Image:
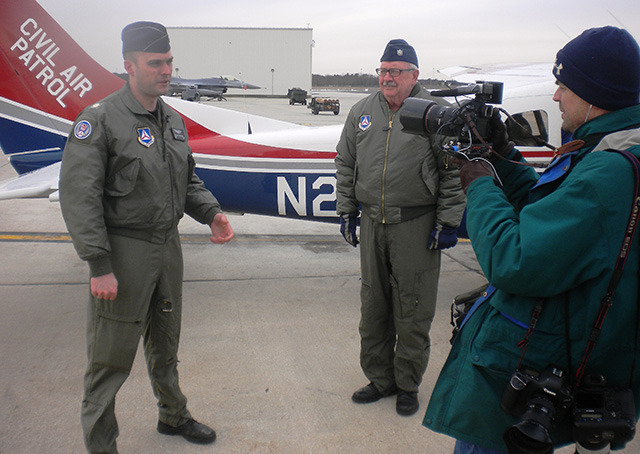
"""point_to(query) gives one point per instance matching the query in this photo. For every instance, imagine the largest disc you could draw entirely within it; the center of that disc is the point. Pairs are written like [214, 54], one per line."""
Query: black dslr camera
[539, 399]
[469, 123]
[602, 415]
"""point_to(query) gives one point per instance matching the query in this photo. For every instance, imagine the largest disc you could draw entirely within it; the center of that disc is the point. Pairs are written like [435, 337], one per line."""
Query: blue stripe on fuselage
[17, 138]
[308, 196]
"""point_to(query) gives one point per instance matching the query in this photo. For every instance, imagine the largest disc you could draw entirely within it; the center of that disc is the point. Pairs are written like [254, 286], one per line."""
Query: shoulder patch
[365, 122]
[82, 130]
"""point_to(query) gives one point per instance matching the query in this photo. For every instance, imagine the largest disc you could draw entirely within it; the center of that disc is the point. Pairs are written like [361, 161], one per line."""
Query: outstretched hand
[221, 230]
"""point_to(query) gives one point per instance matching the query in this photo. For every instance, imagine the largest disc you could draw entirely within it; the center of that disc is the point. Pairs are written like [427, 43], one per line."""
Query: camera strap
[607, 300]
[535, 316]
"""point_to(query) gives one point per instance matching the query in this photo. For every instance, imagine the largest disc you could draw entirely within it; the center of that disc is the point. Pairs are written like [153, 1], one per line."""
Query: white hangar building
[276, 59]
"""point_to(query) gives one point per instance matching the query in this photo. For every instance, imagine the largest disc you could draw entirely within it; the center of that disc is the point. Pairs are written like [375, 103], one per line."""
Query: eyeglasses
[393, 72]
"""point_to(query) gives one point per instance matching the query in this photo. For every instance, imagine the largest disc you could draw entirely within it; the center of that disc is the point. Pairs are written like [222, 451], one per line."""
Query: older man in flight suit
[127, 178]
[411, 205]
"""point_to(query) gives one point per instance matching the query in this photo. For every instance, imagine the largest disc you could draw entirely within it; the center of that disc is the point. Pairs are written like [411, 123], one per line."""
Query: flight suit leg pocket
[116, 341]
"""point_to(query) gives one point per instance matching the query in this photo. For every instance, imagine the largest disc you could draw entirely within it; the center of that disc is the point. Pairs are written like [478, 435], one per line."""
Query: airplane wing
[37, 184]
[512, 74]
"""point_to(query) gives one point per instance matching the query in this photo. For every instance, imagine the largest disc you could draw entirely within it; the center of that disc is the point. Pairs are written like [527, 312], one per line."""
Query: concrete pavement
[269, 353]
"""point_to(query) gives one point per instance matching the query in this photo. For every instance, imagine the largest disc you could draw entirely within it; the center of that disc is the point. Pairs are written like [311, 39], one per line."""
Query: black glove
[499, 136]
[348, 228]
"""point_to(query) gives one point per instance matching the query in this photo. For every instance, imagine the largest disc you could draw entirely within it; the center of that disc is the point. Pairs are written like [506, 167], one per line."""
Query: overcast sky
[350, 35]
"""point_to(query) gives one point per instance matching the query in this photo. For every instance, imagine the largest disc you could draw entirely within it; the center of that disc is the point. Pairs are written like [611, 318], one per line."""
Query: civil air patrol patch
[145, 137]
[365, 122]
[82, 130]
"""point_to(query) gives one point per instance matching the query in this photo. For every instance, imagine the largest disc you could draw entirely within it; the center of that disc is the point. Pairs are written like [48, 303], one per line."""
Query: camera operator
[411, 206]
[551, 242]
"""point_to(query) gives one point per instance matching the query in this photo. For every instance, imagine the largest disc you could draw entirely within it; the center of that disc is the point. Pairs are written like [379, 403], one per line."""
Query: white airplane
[252, 164]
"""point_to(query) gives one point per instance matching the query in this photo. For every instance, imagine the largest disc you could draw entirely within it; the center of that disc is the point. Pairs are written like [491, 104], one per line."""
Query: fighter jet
[208, 87]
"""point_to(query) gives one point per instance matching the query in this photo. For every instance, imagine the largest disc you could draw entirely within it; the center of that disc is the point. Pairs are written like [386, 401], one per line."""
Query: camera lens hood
[413, 114]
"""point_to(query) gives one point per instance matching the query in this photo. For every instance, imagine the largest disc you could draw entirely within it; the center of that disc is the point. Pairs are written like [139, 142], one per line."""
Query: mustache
[389, 83]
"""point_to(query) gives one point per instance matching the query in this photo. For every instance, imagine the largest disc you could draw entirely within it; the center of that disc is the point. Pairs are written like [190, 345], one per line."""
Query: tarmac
[269, 353]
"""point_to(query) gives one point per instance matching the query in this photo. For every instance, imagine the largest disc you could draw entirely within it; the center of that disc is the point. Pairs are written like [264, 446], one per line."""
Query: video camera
[468, 123]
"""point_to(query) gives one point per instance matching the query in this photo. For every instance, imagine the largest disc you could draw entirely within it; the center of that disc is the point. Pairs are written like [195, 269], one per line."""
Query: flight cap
[399, 50]
[145, 37]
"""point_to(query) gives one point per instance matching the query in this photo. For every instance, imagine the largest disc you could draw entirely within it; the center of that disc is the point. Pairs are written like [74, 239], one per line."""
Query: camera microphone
[464, 90]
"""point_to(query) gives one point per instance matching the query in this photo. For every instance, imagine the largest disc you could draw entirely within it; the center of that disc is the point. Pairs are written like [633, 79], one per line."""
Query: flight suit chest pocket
[122, 182]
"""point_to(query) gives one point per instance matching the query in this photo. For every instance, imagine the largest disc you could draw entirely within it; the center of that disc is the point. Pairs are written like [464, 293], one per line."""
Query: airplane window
[530, 125]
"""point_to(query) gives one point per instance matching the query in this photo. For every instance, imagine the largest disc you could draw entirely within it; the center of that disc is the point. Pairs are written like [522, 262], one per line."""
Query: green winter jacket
[555, 237]
[393, 174]
[128, 172]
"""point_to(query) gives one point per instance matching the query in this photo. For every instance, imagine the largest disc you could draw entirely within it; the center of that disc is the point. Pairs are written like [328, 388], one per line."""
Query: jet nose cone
[251, 86]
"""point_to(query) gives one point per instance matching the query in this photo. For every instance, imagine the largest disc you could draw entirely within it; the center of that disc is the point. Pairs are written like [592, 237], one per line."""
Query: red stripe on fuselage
[226, 146]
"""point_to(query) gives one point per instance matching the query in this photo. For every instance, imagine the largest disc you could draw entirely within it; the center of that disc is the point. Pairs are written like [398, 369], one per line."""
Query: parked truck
[318, 104]
[297, 95]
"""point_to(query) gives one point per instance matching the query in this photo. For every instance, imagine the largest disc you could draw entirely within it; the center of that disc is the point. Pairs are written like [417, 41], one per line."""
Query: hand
[443, 237]
[348, 228]
[470, 171]
[221, 229]
[104, 287]
[499, 136]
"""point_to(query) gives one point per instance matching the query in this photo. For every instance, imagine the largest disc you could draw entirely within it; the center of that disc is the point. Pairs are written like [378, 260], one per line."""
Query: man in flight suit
[411, 206]
[127, 178]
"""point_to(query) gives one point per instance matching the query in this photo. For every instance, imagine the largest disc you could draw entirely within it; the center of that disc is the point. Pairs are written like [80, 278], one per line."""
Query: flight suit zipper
[161, 121]
[384, 168]
[163, 125]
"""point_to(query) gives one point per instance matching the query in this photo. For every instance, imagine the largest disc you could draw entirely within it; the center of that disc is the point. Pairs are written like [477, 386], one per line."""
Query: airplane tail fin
[47, 79]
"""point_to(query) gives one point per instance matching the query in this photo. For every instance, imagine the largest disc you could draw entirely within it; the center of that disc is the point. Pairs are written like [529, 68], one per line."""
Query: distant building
[276, 59]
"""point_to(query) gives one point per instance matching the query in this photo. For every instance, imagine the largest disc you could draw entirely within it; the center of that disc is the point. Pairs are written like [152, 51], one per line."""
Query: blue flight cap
[399, 50]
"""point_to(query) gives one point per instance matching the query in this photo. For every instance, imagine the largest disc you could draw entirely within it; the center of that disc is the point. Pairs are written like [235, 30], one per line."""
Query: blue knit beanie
[399, 50]
[601, 66]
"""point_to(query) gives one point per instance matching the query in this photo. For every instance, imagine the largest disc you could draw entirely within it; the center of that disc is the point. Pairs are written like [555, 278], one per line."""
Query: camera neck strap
[607, 300]
[535, 316]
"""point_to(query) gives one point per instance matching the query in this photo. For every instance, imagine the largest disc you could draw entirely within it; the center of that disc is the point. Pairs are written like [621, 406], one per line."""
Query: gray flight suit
[127, 177]
[398, 296]
[404, 188]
